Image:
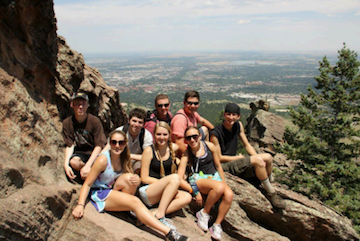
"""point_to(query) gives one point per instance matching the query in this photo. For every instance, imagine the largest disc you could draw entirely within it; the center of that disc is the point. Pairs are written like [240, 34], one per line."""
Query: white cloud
[243, 21]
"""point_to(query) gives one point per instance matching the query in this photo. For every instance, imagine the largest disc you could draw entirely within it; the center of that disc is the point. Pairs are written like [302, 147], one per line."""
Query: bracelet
[81, 204]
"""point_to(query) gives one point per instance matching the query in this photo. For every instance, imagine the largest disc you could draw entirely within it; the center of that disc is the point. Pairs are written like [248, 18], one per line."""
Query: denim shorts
[143, 195]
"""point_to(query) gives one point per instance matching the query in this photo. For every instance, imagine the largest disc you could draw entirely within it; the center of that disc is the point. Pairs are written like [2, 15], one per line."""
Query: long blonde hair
[165, 125]
[125, 154]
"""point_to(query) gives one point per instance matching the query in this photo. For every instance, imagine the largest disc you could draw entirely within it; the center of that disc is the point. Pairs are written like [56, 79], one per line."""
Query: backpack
[141, 135]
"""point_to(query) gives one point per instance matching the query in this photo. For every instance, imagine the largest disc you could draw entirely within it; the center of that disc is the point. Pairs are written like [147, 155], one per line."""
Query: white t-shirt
[134, 144]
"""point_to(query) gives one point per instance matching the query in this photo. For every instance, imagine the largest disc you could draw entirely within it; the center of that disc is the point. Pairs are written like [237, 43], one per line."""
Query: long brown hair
[190, 163]
[165, 125]
[125, 154]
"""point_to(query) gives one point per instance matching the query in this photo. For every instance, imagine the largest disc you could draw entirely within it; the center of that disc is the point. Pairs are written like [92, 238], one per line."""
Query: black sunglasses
[114, 142]
[195, 137]
[192, 103]
[161, 105]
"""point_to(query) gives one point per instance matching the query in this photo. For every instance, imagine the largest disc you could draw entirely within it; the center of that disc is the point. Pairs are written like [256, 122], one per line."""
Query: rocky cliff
[38, 74]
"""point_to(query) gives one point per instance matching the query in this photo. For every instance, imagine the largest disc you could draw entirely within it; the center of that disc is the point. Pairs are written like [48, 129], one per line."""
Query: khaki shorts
[241, 168]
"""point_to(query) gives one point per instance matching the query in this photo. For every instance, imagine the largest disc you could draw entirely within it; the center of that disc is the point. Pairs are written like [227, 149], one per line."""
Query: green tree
[327, 141]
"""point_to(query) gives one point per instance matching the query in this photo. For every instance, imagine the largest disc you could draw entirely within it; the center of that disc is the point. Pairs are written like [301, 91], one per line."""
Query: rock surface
[38, 74]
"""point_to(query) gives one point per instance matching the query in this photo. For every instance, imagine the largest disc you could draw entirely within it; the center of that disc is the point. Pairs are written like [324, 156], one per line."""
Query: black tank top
[155, 166]
[204, 163]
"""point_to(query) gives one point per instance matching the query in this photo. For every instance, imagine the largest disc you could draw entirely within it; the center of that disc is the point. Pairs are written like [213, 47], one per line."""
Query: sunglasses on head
[161, 105]
[192, 103]
[114, 142]
[195, 137]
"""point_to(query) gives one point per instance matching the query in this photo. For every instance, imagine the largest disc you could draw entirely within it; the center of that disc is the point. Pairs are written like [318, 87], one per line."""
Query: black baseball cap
[232, 108]
[80, 95]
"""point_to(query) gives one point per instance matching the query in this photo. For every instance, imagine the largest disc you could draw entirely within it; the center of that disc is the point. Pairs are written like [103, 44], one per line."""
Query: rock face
[38, 74]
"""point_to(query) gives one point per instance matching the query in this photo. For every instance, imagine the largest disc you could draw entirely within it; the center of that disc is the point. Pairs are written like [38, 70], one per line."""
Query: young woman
[207, 178]
[158, 166]
[111, 185]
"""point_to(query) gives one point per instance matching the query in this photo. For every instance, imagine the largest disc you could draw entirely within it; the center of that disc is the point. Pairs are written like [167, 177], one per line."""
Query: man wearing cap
[225, 137]
[84, 137]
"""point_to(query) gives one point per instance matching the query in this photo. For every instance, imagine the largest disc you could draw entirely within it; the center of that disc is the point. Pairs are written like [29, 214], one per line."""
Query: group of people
[167, 160]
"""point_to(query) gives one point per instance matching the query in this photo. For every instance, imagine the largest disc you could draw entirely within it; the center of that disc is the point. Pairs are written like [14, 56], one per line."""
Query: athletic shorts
[83, 156]
[143, 195]
[98, 197]
[197, 176]
[241, 168]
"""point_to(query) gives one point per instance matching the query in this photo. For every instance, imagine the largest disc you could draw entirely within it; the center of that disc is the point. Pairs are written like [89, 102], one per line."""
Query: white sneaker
[216, 231]
[203, 220]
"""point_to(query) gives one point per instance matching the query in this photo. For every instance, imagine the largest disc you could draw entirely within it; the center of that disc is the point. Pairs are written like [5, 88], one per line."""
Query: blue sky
[108, 26]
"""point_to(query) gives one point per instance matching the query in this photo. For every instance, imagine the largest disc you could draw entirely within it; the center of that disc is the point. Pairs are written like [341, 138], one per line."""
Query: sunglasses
[192, 103]
[121, 143]
[195, 137]
[161, 105]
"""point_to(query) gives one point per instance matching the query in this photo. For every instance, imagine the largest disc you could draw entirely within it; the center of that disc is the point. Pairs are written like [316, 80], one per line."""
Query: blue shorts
[143, 195]
[98, 197]
[197, 176]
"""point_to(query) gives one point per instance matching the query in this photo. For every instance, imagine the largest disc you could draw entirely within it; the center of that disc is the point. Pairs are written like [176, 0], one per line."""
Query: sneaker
[203, 220]
[216, 231]
[167, 222]
[276, 200]
[173, 235]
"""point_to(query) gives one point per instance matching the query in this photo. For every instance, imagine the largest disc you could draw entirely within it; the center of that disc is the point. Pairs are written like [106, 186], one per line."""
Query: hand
[84, 171]
[199, 199]
[135, 180]
[78, 212]
[69, 172]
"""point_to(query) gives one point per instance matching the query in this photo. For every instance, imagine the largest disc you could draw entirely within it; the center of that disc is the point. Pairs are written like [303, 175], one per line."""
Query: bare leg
[181, 199]
[214, 190]
[163, 191]
[225, 204]
[76, 163]
[119, 201]
[123, 184]
[260, 167]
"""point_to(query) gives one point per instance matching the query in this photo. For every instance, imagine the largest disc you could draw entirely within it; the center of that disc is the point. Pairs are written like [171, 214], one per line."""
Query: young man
[225, 137]
[161, 113]
[138, 137]
[83, 136]
[189, 117]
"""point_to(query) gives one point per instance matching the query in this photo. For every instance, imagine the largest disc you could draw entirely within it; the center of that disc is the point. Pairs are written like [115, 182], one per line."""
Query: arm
[99, 166]
[205, 122]
[223, 158]
[181, 171]
[216, 158]
[145, 166]
[84, 172]
[180, 142]
[69, 150]
[249, 149]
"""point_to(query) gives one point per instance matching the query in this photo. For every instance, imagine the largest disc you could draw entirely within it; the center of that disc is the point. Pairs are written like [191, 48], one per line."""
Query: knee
[136, 202]
[219, 188]
[258, 162]
[76, 163]
[174, 179]
[268, 158]
[228, 195]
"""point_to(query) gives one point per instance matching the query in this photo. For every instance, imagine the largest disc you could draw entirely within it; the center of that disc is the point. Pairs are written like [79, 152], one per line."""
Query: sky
[123, 26]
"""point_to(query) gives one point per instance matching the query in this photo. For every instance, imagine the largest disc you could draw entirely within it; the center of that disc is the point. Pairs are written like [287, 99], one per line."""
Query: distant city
[238, 77]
